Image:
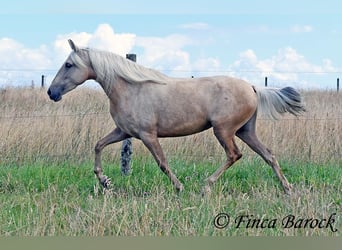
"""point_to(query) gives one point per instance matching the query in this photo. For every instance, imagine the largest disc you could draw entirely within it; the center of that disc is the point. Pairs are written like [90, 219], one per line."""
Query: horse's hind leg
[247, 134]
[151, 142]
[233, 154]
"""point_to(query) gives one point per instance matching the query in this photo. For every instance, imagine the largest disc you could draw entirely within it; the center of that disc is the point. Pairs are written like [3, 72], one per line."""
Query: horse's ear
[72, 45]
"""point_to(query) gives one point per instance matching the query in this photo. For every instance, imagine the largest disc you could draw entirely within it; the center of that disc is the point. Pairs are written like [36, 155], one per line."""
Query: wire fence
[276, 78]
[334, 155]
[53, 116]
[105, 113]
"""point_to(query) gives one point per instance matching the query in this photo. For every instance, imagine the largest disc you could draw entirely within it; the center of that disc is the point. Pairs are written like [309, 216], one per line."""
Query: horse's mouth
[56, 99]
[55, 96]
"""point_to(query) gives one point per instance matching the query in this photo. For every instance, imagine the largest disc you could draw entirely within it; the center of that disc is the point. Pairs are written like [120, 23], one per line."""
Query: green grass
[44, 198]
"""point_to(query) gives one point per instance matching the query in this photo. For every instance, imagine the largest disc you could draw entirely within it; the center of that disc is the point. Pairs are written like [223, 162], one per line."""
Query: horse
[147, 105]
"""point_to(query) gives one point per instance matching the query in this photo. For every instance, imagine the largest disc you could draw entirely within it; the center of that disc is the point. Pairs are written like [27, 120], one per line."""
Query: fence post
[338, 84]
[43, 82]
[127, 150]
[266, 81]
[132, 57]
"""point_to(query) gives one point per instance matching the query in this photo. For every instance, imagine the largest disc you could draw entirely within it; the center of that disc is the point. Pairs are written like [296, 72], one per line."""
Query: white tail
[273, 101]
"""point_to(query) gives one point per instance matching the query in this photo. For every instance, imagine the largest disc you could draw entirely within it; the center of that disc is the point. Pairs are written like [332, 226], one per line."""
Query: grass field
[47, 185]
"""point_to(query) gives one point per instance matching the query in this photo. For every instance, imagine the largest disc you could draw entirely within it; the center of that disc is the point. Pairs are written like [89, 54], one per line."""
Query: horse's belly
[183, 128]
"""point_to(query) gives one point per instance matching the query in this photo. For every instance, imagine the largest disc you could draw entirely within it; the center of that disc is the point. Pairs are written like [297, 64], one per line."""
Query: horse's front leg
[115, 136]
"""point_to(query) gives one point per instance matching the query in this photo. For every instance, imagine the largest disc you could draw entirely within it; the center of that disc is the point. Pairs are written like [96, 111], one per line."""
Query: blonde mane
[108, 66]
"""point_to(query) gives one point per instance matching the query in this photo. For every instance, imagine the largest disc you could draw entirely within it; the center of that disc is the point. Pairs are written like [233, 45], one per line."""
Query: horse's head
[75, 71]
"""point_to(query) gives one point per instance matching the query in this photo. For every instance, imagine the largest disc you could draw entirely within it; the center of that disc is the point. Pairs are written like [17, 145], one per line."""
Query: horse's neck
[117, 90]
[104, 86]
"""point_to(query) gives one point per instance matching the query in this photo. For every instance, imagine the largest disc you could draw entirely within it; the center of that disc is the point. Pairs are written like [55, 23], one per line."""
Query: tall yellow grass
[33, 127]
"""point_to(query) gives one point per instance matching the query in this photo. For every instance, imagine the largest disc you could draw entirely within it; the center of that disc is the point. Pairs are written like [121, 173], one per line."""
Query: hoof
[179, 188]
[287, 189]
[105, 182]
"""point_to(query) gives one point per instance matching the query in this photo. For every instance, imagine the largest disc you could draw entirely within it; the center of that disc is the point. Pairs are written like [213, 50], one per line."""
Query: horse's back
[230, 100]
[212, 100]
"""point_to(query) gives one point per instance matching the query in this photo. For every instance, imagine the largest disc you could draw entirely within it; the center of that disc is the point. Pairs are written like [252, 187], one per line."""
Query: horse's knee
[235, 154]
[238, 156]
[232, 158]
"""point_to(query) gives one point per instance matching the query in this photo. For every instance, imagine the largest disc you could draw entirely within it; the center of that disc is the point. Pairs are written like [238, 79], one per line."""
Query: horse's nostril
[49, 92]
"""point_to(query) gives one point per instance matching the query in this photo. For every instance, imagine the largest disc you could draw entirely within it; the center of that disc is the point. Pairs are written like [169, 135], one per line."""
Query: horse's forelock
[77, 60]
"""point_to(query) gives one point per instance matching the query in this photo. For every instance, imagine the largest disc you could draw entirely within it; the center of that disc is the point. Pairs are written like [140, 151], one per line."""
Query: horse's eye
[68, 65]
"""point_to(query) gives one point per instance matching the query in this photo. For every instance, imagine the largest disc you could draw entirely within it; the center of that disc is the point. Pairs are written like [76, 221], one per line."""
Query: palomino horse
[146, 104]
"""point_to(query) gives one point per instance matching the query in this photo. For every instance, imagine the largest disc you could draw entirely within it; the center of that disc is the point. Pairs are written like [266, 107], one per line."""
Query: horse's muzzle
[54, 94]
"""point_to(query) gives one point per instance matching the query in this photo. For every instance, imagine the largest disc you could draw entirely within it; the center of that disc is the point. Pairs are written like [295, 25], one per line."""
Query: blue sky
[295, 43]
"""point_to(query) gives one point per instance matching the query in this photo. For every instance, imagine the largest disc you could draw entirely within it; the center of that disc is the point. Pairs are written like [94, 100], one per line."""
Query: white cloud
[301, 28]
[287, 66]
[62, 47]
[14, 55]
[103, 38]
[21, 65]
[165, 53]
[169, 54]
[32, 62]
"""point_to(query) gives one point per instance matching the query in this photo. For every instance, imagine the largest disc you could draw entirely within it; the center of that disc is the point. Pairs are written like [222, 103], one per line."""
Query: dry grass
[34, 127]
[47, 186]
